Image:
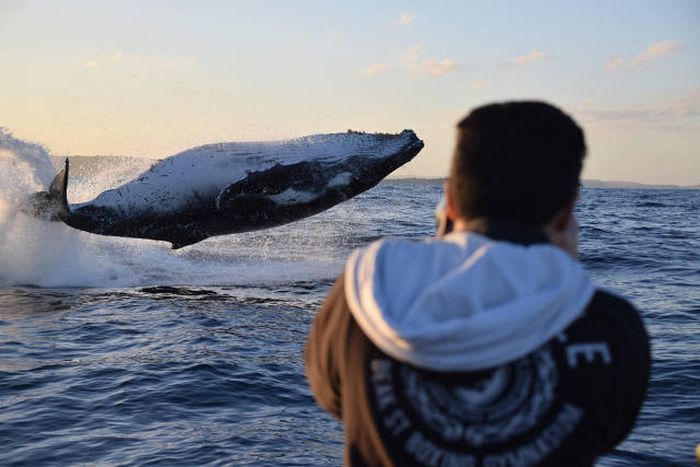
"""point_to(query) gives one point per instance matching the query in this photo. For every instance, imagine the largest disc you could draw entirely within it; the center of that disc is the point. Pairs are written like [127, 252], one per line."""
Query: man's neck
[503, 230]
[509, 231]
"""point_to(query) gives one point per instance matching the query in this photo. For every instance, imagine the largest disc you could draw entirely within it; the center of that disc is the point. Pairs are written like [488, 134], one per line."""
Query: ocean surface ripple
[121, 352]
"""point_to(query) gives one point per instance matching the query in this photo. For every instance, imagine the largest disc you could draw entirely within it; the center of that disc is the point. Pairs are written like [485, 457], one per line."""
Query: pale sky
[152, 78]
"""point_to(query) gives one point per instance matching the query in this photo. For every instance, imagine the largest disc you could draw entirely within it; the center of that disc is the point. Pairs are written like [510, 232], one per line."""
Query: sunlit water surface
[116, 351]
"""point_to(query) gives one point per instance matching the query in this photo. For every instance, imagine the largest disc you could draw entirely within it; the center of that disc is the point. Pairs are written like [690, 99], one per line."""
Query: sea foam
[35, 252]
[51, 254]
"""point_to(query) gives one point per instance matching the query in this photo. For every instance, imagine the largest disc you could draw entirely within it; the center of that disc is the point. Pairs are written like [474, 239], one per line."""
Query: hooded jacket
[490, 347]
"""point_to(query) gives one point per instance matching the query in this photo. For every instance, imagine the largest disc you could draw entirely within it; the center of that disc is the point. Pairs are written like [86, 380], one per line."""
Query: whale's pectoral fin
[59, 186]
[51, 205]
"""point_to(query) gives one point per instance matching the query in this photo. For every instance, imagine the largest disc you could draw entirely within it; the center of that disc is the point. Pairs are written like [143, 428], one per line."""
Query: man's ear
[565, 215]
[450, 208]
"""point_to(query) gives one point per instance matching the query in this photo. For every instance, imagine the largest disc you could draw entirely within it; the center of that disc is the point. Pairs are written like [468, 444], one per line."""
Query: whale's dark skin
[267, 190]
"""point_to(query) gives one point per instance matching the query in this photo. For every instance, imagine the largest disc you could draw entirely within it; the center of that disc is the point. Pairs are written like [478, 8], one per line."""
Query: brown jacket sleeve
[321, 352]
[336, 357]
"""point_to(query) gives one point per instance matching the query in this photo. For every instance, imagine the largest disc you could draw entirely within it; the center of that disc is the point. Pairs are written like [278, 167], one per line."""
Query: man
[488, 346]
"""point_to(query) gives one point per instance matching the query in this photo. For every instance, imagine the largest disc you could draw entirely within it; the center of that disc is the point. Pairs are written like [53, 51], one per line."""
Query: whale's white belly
[203, 172]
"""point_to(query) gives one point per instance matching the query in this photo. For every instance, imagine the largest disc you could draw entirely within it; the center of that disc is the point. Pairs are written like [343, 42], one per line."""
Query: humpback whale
[225, 188]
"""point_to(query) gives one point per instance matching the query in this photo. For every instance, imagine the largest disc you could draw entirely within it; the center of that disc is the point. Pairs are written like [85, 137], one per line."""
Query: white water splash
[51, 254]
[34, 252]
[30, 157]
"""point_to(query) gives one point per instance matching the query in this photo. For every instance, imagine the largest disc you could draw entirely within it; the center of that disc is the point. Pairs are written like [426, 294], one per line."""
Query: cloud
[652, 53]
[405, 19]
[675, 112]
[686, 106]
[376, 69]
[410, 61]
[440, 67]
[161, 61]
[104, 61]
[534, 56]
[614, 63]
[112, 60]
[410, 56]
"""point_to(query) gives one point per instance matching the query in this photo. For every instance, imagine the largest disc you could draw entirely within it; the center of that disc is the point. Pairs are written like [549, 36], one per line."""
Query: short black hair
[517, 161]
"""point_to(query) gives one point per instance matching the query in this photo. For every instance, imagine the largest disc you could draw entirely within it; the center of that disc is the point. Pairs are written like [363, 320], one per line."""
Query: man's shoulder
[605, 299]
[611, 318]
[617, 310]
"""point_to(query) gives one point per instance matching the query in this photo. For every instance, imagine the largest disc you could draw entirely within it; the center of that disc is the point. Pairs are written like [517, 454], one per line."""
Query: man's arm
[635, 368]
[618, 391]
[321, 354]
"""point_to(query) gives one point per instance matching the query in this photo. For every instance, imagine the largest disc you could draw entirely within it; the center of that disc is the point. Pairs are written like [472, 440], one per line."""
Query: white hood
[465, 302]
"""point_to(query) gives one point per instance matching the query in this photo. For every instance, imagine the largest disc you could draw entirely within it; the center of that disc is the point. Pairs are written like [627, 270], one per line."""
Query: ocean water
[123, 352]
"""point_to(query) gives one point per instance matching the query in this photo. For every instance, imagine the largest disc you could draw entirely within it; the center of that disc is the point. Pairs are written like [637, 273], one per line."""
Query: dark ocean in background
[121, 352]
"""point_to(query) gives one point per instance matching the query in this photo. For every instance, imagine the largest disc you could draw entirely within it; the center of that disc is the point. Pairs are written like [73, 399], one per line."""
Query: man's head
[517, 161]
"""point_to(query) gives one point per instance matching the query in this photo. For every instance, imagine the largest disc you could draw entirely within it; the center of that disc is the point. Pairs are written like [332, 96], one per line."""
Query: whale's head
[370, 148]
[370, 157]
[393, 151]
[336, 167]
